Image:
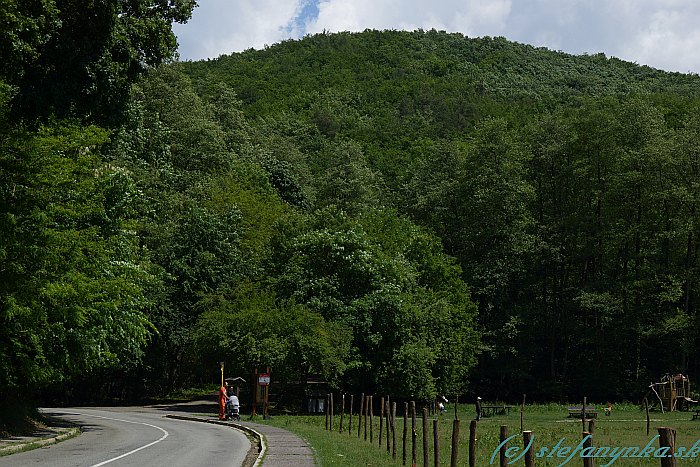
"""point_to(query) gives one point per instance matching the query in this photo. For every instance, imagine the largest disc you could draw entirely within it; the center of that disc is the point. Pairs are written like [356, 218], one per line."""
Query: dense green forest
[565, 187]
[408, 213]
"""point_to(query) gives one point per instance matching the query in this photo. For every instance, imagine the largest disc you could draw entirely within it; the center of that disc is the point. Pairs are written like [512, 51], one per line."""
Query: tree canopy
[71, 59]
[401, 212]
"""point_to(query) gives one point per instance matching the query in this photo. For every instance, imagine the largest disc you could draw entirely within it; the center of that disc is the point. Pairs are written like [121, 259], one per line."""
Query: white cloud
[659, 33]
[669, 39]
[471, 17]
[224, 26]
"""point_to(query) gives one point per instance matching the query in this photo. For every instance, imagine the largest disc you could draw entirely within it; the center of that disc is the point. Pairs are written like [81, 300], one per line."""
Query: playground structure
[670, 394]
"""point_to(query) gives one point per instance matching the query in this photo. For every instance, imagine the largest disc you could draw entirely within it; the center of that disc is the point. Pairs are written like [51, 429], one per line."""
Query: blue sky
[659, 33]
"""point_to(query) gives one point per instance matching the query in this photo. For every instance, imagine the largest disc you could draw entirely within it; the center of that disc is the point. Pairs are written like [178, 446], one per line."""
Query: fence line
[387, 429]
[387, 426]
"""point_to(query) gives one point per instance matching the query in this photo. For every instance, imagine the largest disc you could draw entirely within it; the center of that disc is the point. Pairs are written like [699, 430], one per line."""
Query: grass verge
[625, 430]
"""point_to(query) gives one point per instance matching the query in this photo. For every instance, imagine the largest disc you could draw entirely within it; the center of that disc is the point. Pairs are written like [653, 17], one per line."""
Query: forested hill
[565, 186]
[403, 213]
[394, 66]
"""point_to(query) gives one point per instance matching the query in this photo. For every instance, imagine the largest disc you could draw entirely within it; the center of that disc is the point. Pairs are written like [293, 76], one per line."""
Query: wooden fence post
[388, 425]
[381, 420]
[352, 400]
[436, 443]
[371, 419]
[327, 397]
[359, 415]
[393, 430]
[646, 409]
[522, 410]
[425, 437]
[529, 454]
[414, 453]
[455, 443]
[583, 414]
[472, 443]
[591, 425]
[504, 446]
[364, 415]
[667, 439]
[330, 407]
[405, 432]
[342, 412]
[587, 443]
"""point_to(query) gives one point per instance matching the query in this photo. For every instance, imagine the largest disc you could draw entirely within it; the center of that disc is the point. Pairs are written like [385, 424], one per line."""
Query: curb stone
[67, 433]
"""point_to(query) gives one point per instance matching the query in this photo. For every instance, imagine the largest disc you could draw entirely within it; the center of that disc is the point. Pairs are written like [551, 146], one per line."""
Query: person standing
[442, 404]
[478, 408]
[223, 397]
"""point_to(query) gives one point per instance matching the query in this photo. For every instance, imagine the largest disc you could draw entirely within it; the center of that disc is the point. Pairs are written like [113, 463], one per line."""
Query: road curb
[39, 443]
[262, 445]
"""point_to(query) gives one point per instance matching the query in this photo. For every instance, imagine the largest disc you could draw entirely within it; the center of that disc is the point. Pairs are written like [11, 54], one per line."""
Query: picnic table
[575, 411]
[497, 409]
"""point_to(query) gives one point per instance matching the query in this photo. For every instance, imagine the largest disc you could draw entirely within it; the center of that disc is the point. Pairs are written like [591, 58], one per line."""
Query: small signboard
[264, 379]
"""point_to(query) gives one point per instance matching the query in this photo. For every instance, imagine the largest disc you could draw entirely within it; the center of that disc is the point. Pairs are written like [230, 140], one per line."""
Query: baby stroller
[233, 409]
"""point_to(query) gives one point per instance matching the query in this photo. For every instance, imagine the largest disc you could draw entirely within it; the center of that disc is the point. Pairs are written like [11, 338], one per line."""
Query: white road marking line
[165, 435]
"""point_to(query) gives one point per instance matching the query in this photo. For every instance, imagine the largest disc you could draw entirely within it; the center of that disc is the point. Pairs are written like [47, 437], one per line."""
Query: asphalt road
[136, 436]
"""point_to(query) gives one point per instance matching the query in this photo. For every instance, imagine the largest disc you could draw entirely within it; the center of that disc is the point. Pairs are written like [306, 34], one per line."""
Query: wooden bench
[491, 410]
[575, 412]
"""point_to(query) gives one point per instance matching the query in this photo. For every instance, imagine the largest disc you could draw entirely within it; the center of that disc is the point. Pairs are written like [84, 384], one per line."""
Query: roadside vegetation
[17, 420]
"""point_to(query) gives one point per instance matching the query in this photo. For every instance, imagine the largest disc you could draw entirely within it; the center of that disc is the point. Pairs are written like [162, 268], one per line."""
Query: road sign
[264, 379]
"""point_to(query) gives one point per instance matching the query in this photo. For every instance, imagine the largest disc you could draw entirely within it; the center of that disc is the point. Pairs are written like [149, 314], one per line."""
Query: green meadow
[553, 433]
